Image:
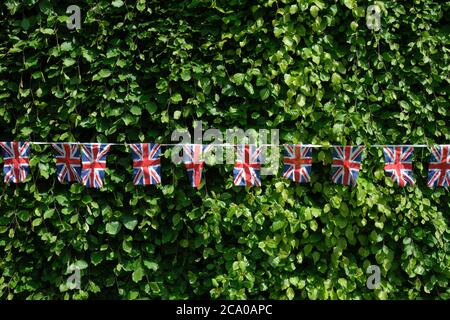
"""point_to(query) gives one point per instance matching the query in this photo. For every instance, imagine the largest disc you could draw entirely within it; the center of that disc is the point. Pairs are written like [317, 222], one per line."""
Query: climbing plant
[137, 70]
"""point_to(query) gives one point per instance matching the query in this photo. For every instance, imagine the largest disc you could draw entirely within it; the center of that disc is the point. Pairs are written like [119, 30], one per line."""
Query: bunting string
[238, 144]
[87, 164]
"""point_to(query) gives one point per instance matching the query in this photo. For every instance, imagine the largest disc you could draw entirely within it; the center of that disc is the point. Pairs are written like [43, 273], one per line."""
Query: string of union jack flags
[86, 163]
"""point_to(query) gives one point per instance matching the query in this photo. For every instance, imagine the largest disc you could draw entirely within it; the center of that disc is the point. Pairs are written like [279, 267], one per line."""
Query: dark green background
[138, 70]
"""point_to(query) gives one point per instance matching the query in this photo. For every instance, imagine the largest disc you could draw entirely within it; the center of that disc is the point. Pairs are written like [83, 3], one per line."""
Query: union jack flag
[146, 163]
[439, 167]
[247, 166]
[93, 164]
[297, 163]
[68, 162]
[346, 164]
[194, 162]
[16, 161]
[398, 164]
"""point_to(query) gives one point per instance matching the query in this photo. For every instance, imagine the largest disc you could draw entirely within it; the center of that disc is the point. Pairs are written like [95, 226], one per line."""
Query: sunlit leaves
[136, 71]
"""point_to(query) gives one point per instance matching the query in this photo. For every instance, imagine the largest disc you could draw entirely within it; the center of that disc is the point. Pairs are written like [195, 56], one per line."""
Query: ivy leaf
[96, 258]
[138, 274]
[186, 75]
[141, 5]
[176, 98]
[249, 87]
[136, 110]
[350, 3]
[335, 79]
[129, 222]
[66, 46]
[151, 107]
[113, 228]
[87, 55]
[103, 73]
[69, 62]
[290, 293]
[264, 93]
[80, 264]
[177, 114]
[25, 23]
[238, 78]
[151, 265]
[117, 3]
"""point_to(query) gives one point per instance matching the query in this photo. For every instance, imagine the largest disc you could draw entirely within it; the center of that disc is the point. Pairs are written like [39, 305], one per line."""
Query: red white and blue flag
[16, 161]
[194, 162]
[346, 164]
[398, 164]
[247, 166]
[93, 164]
[68, 162]
[297, 163]
[146, 163]
[439, 167]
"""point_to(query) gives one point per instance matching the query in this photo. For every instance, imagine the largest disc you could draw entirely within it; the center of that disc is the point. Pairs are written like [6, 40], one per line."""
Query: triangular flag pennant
[68, 162]
[439, 167]
[146, 163]
[247, 166]
[93, 164]
[398, 164]
[297, 163]
[194, 162]
[16, 161]
[346, 164]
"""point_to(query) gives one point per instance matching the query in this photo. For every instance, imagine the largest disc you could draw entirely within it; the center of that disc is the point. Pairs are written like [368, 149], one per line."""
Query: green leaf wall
[137, 70]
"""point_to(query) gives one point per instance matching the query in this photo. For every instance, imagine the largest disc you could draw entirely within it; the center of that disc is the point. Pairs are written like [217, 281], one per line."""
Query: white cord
[234, 145]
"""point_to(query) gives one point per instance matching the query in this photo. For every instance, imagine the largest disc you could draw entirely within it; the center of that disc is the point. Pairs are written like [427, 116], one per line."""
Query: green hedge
[137, 70]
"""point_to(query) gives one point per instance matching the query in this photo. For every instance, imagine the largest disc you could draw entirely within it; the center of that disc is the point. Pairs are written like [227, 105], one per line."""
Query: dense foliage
[137, 70]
